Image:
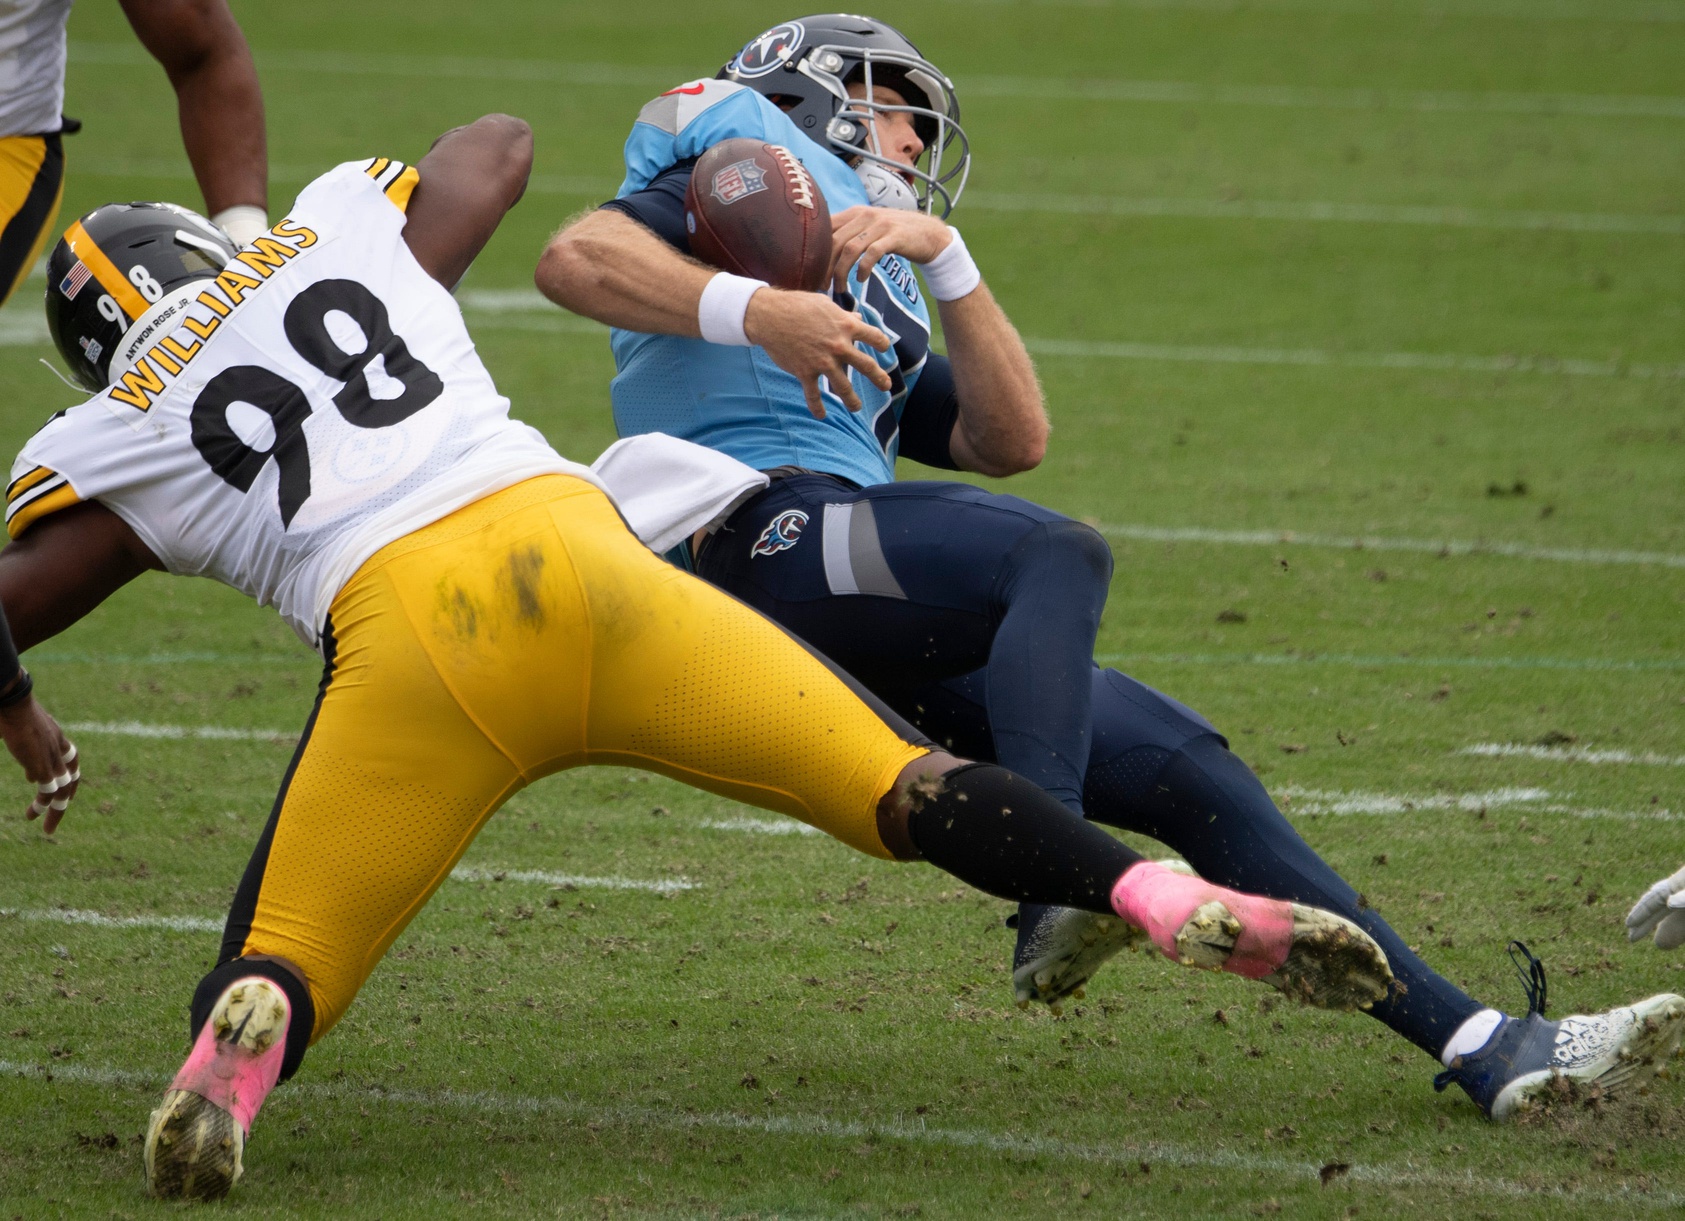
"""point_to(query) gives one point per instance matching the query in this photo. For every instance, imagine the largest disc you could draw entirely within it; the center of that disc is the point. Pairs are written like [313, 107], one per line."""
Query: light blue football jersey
[735, 399]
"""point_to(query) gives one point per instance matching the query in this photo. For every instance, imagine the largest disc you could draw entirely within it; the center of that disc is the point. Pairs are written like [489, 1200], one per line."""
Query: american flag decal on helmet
[72, 283]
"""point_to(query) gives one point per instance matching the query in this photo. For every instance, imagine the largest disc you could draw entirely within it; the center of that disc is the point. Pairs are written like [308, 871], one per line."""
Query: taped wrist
[723, 307]
[243, 223]
[299, 1025]
[953, 273]
[998, 832]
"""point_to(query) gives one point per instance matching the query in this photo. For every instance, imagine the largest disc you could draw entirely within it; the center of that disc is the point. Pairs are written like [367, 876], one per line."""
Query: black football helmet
[112, 266]
[805, 67]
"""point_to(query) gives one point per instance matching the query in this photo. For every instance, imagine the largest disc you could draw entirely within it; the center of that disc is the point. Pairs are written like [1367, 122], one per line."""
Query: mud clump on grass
[1588, 1119]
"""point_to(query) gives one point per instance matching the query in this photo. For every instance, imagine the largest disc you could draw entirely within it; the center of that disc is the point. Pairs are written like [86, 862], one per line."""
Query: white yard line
[1300, 97]
[1644, 12]
[21, 328]
[1324, 801]
[219, 733]
[1297, 800]
[1353, 542]
[761, 826]
[1115, 1153]
[1571, 754]
[644, 78]
[1369, 660]
[1314, 358]
[55, 915]
[44, 656]
[571, 881]
[209, 924]
[1318, 211]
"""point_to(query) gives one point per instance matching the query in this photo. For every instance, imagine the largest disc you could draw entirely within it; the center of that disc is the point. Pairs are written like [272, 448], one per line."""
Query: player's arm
[609, 267]
[205, 55]
[1001, 427]
[65, 565]
[470, 178]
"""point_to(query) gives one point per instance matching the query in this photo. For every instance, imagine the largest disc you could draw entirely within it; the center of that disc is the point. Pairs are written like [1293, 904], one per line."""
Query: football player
[972, 614]
[306, 420]
[206, 58]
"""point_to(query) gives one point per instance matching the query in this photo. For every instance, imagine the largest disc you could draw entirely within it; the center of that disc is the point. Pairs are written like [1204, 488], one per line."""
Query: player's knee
[1075, 555]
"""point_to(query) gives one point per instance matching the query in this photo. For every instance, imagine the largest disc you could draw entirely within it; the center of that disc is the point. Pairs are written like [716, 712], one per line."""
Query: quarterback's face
[892, 133]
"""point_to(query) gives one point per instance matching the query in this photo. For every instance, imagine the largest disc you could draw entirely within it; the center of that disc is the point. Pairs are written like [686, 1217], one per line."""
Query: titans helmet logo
[781, 533]
[770, 50]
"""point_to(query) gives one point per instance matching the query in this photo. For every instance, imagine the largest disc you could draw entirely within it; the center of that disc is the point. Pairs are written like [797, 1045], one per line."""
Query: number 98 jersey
[276, 426]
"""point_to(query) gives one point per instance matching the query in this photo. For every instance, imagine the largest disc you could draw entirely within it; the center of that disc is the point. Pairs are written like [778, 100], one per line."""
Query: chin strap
[54, 370]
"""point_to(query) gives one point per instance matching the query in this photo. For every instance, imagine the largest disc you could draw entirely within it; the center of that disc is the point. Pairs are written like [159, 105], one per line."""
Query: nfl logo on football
[740, 179]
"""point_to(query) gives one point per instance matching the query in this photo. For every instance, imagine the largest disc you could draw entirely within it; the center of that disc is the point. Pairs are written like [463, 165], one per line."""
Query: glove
[1661, 911]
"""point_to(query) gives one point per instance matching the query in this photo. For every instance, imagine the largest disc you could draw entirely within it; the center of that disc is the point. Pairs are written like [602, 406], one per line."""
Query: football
[753, 209]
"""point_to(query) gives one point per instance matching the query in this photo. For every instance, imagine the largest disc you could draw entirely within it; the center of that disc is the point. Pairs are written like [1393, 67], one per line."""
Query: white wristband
[242, 223]
[725, 302]
[953, 273]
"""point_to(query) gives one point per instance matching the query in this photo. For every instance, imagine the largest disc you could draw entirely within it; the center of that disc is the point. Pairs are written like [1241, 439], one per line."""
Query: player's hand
[812, 337]
[1661, 911]
[861, 236]
[47, 758]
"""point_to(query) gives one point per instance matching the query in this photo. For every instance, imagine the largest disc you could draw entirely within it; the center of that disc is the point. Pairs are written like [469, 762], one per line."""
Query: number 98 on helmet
[112, 266]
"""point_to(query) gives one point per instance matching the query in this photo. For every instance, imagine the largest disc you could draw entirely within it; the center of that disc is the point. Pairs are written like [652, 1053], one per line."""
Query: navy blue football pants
[974, 616]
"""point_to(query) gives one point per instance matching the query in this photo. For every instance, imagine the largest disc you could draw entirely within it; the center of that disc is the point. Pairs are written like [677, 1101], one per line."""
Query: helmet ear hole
[111, 267]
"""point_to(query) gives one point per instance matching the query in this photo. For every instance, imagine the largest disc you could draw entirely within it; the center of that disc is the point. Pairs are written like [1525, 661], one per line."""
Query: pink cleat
[1312, 955]
[198, 1133]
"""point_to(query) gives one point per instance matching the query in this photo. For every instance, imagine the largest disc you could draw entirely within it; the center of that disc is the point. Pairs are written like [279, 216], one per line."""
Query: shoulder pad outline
[674, 110]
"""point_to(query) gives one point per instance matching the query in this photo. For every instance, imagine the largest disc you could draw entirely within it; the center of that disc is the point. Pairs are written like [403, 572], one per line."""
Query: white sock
[1471, 1036]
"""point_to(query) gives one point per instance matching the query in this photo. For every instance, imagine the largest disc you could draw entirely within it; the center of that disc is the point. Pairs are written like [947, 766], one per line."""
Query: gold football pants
[527, 633]
[31, 186]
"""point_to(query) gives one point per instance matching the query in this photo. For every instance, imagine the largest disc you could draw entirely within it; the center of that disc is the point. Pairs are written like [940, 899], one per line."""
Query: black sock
[299, 1025]
[1002, 834]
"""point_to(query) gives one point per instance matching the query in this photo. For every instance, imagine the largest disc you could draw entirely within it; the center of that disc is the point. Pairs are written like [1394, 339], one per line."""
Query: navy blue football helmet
[805, 67]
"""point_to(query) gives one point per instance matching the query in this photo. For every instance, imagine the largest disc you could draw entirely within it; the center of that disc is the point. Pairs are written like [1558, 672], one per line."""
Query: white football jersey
[32, 51]
[276, 426]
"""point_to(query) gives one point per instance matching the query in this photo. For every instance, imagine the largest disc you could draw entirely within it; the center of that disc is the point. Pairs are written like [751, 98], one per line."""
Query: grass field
[1297, 273]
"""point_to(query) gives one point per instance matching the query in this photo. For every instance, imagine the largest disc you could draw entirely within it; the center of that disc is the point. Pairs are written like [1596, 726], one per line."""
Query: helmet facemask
[939, 175]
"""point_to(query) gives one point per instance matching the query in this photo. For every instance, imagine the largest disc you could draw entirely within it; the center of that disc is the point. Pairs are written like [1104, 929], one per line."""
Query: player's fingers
[845, 254]
[1670, 933]
[864, 332]
[842, 385]
[870, 368]
[810, 390]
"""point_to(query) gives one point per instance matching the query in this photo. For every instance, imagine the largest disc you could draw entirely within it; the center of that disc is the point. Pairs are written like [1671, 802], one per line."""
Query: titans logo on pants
[781, 533]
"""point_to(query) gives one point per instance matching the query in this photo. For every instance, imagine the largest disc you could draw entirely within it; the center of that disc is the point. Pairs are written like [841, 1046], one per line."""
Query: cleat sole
[193, 1149]
[1333, 963]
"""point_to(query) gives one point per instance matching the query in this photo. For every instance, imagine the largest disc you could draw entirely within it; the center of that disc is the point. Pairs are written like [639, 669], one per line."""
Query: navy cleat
[1060, 948]
[1529, 1058]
